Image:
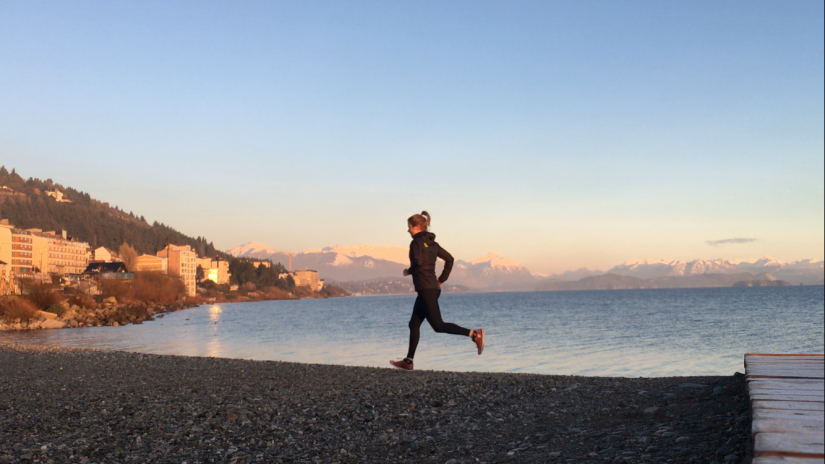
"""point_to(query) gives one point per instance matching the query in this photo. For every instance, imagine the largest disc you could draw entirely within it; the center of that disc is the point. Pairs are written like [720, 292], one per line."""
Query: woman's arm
[416, 257]
[448, 264]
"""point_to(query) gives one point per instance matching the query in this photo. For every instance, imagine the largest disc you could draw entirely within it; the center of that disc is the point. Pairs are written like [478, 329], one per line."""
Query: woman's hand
[406, 272]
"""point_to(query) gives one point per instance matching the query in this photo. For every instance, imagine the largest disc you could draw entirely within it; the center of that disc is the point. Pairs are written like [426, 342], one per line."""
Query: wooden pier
[787, 396]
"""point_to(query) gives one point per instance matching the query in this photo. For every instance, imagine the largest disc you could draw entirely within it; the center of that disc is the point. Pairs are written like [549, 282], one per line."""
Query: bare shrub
[117, 288]
[155, 287]
[128, 256]
[305, 292]
[40, 293]
[194, 300]
[275, 293]
[14, 309]
[83, 300]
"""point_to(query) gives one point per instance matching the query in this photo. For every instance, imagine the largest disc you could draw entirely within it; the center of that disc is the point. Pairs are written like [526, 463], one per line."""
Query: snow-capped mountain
[570, 276]
[252, 250]
[398, 255]
[494, 272]
[798, 272]
[364, 262]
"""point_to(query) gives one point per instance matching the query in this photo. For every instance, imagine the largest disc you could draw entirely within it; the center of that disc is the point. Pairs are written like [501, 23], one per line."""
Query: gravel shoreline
[87, 406]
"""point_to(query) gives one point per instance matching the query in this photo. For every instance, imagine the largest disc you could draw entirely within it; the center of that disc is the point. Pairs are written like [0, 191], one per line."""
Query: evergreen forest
[24, 203]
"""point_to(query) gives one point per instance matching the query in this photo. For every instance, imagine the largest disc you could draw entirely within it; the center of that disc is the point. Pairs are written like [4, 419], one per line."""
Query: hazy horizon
[560, 135]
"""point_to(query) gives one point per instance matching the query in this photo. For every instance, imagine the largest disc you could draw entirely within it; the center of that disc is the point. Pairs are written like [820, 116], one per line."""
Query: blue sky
[559, 134]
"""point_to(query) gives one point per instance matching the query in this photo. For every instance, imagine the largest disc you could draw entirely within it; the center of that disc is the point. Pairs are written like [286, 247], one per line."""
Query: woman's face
[413, 229]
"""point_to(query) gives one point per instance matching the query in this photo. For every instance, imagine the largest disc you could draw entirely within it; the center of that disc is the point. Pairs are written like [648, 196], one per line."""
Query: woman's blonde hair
[420, 220]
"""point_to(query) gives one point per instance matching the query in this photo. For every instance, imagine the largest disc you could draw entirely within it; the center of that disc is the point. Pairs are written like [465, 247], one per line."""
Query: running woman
[423, 253]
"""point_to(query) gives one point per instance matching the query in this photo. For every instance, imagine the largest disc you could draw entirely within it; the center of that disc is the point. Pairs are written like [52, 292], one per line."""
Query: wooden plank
[790, 443]
[784, 396]
[787, 365]
[790, 394]
[781, 361]
[788, 426]
[781, 384]
[782, 381]
[787, 375]
[778, 361]
[787, 460]
[787, 394]
[790, 391]
[788, 405]
[784, 367]
[762, 414]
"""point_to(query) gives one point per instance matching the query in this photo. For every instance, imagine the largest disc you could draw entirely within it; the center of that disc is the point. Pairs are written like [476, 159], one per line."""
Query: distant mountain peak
[394, 254]
[252, 249]
[497, 261]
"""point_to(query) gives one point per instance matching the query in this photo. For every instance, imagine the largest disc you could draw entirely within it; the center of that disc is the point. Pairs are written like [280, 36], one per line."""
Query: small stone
[682, 439]
[691, 385]
[731, 458]
[451, 461]
[554, 454]
[718, 391]
[652, 410]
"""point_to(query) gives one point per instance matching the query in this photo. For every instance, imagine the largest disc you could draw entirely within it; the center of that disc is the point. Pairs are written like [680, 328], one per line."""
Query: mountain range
[495, 273]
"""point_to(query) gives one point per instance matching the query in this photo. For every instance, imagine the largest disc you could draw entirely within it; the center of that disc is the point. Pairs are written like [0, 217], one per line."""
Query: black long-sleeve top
[423, 252]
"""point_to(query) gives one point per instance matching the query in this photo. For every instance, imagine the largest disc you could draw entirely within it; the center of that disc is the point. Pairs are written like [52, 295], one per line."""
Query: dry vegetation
[16, 309]
[40, 294]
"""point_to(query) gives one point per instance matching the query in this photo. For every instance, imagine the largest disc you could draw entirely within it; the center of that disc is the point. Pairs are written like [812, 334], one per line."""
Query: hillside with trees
[25, 204]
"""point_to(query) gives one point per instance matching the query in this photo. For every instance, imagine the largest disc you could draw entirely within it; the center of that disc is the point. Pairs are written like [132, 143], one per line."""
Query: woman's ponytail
[420, 220]
[426, 215]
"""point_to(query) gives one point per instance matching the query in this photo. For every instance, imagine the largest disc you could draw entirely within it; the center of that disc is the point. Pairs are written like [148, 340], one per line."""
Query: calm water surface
[603, 333]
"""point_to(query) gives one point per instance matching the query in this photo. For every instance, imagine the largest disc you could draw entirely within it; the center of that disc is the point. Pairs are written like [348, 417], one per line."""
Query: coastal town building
[57, 195]
[65, 254]
[308, 278]
[21, 252]
[182, 263]
[5, 245]
[151, 263]
[215, 269]
[104, 255]
[33, 252]
[108, 270]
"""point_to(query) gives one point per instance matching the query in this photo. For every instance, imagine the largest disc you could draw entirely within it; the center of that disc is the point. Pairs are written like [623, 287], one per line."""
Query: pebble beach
[60, 405]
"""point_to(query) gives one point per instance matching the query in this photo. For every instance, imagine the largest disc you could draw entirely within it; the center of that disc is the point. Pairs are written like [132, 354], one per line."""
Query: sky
[559, 134]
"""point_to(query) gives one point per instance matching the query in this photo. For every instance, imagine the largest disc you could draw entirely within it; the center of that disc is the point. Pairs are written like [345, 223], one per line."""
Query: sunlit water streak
[623, 333]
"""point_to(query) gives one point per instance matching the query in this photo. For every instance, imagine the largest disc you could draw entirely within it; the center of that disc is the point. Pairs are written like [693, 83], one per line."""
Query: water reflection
[622, 333]
[215, 313]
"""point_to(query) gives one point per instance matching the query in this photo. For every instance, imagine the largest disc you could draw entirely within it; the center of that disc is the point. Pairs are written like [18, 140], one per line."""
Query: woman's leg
[433, 314]
[415, 325]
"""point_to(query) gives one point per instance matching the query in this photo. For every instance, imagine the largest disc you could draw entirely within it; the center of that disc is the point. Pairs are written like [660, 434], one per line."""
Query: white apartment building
[33, 251]
[182, 262]
[215, 269]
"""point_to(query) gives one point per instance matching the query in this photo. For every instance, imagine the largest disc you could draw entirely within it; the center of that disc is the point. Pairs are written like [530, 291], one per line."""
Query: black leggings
[426, 307]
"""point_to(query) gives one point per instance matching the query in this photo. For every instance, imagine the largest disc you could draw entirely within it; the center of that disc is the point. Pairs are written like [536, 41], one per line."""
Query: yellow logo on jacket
[425, 245]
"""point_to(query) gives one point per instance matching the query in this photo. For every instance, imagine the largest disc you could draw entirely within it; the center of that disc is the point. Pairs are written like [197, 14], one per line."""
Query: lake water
[625, 333]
